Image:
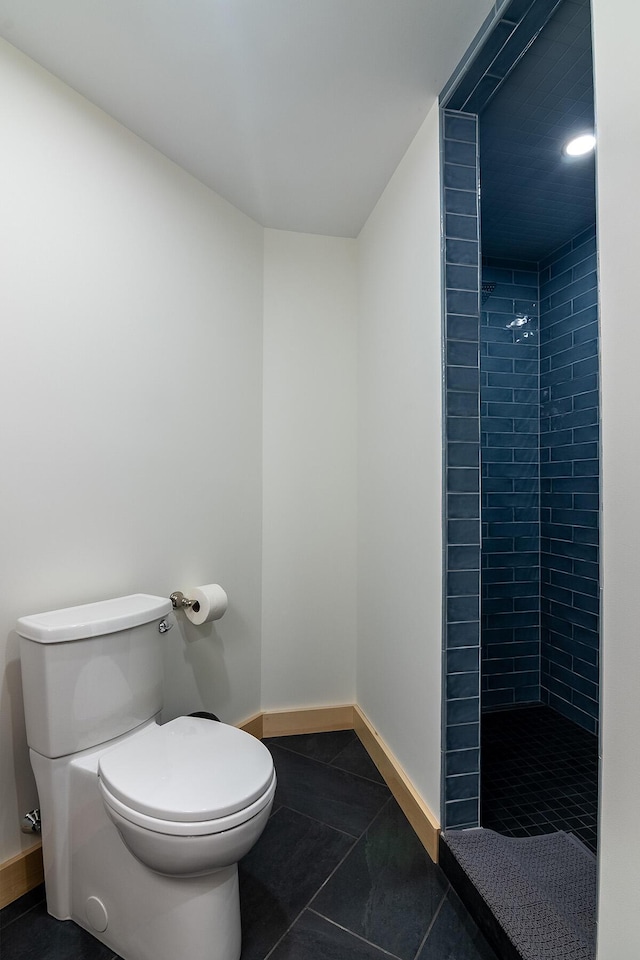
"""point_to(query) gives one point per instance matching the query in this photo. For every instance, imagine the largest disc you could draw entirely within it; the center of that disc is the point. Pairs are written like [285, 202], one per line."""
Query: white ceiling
[296, 111]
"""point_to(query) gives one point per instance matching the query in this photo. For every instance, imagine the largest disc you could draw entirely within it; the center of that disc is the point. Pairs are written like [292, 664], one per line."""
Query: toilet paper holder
[179, 601]
[206, 603]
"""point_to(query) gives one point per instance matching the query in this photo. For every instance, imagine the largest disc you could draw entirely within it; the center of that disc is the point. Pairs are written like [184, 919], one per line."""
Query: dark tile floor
[539, 774]
[337, 874]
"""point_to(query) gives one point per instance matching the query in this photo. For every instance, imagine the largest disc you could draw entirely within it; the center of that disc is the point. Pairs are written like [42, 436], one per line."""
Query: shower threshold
[534, 898]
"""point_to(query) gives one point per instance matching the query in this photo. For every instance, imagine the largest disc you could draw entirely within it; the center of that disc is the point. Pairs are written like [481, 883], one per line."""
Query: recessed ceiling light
[579, 146]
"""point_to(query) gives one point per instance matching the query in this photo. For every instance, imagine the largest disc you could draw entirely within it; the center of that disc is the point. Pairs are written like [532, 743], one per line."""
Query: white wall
[616, 28]
[309, 526]
[130, 304]
[400, 443]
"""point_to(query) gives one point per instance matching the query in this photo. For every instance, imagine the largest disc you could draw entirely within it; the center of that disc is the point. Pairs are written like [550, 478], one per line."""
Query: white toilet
[142, 825]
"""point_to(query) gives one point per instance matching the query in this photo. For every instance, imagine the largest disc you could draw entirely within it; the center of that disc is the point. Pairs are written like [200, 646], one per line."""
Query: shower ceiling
[534, 199]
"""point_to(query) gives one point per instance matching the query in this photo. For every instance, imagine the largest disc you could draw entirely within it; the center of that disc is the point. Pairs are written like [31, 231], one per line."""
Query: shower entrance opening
[522, 430]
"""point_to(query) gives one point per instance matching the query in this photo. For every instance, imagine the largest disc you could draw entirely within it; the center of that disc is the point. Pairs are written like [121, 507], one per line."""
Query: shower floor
[539, 775]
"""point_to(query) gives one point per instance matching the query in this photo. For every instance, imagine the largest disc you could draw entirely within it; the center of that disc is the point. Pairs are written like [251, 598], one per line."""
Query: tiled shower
[540, 480]
[520, 399]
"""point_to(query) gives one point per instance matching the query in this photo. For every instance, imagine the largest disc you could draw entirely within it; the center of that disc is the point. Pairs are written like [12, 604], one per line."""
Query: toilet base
[201, 920]
[197, 918]
[139, 914]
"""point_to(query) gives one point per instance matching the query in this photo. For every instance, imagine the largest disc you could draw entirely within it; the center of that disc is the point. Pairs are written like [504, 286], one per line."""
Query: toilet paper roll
[209, 603]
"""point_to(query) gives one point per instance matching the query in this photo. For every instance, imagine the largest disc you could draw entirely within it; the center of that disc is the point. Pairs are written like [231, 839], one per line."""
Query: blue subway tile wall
[509, 370]
[461, 654]
[569, 478]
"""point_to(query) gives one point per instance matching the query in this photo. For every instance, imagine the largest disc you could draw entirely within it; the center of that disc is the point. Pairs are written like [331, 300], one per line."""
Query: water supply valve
[31, 822]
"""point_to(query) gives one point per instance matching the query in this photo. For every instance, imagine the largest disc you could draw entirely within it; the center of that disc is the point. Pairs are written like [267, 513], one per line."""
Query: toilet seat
[177, 828]
[188, 777]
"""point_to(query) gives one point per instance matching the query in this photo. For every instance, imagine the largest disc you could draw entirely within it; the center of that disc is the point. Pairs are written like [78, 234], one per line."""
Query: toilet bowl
[189, 797]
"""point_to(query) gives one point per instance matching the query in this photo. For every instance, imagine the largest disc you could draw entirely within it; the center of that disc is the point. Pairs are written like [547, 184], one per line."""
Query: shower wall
[509, 412]
[569, 478]
[540, 482]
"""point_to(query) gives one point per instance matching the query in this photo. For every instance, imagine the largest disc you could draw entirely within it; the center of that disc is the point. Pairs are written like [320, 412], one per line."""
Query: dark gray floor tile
[314, 938]
[317, 746]
[37, 936]
[335, 797]
[355, 759]
[293, 857]
[454, 935]
[21, 906]
[387, 890]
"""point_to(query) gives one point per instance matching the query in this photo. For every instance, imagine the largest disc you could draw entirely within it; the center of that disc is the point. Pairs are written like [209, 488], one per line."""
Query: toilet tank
[91, 673]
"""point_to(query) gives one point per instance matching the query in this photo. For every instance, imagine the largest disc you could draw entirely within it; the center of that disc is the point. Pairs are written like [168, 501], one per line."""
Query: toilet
[142, 824]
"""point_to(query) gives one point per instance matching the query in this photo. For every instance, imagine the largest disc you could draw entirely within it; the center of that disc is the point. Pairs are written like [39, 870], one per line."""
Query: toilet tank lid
[93, 619]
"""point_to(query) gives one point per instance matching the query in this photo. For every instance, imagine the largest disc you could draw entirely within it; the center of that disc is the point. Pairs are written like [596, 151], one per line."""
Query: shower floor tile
[539, 774]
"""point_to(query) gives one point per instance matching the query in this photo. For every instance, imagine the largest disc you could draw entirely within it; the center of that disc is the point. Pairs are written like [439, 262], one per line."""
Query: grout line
[325, 882]
[315, 893]
[296, 753]
[323, 823]
[354, 737]
[329, 763]
[369, 943]
[334, 765]
[433, 920]
[294, 735]
[20, 916]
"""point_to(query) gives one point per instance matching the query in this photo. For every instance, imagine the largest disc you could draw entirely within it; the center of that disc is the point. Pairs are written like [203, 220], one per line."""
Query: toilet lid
[189, 769]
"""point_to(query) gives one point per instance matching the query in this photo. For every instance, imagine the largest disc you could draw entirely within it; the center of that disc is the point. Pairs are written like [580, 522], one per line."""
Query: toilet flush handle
[164, 626]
